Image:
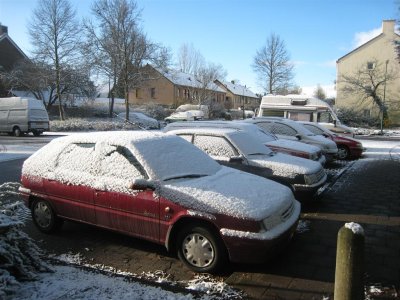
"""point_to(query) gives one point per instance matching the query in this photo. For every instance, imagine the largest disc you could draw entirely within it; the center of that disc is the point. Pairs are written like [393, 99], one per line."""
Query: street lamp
[384, 96]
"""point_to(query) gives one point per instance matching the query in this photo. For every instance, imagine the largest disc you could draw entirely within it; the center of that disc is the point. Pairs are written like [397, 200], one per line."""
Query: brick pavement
[368, 192]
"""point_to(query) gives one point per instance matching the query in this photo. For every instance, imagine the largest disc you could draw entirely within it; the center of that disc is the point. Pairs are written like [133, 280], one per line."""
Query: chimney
[388, 26]
[3, 29]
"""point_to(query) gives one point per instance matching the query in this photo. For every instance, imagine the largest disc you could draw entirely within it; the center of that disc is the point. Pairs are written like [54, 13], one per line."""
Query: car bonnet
[230, 192]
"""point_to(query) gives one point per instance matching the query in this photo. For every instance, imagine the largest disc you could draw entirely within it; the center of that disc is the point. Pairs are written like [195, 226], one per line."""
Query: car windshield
[172, 157]
[262, 136]
[301, 129]
[248, 144]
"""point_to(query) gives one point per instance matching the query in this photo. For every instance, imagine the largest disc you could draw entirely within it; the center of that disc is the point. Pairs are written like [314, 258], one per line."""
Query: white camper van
[19, 115]
[302, 108]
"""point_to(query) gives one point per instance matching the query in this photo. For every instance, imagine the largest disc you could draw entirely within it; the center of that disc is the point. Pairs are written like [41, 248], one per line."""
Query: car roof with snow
[241, 139]
[176, 159]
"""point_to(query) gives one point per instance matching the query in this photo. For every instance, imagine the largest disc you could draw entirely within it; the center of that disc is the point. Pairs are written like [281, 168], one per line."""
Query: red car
[347, 146]
[160, 188]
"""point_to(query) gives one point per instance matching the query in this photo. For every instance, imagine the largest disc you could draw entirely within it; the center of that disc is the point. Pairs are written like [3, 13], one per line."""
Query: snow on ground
[26, 274]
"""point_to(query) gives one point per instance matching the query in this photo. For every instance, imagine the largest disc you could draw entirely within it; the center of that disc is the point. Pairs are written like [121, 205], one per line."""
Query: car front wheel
[343, 152]
[200, 249]
[44, 217]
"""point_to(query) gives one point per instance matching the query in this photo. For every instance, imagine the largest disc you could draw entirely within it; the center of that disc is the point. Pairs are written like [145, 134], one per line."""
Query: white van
[302, 108]
[19, 115]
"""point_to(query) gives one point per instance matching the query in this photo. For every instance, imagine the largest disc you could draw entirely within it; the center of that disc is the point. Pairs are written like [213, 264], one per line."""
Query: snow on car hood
[229, 192]
[281, 143]
[285, 165]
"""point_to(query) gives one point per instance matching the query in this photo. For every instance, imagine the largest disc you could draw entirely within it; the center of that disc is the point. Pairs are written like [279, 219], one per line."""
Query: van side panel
[28, 114]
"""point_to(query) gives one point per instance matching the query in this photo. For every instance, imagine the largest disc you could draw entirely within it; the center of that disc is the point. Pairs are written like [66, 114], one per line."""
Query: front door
[117, 205]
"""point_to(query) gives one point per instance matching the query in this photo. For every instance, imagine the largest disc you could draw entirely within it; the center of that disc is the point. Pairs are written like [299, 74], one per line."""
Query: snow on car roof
[162, 156]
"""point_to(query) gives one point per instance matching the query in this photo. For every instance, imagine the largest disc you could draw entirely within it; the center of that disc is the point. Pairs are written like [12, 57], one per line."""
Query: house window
[138, 94]
[153, 93]
[370, 65]
[366, 113]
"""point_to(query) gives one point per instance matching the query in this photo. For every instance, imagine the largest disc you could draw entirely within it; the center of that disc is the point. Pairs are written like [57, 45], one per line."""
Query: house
[10, 54]
[238, 95]
[378, 56]
[173, 88]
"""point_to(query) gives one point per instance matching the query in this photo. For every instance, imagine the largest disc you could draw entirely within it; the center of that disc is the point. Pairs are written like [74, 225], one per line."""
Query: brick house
[173, 88]
[238, 95]
[379, 53]
[10, 54]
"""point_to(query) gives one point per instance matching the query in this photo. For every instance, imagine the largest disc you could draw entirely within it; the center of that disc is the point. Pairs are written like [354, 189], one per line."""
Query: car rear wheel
[36, 133]
[44, 217]
[200, 249]
[343, 152]
[17, 131]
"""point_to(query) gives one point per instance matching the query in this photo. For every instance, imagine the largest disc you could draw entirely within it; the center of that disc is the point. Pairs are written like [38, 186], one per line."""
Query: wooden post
[349, 274]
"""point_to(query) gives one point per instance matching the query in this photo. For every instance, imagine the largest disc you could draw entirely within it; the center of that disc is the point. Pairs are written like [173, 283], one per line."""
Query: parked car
[19, 115]
[291, 130]
[347, 146]
[238, 149]
[189, 115]
[160, 188]
[270, 140]
[140, 119]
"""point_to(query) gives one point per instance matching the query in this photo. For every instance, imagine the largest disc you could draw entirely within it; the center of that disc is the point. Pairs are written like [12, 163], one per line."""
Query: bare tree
[54, 33]
[38, 79]
[272, 65]
[369, 84]
[319, 93]
[118, 47]
[192, 62]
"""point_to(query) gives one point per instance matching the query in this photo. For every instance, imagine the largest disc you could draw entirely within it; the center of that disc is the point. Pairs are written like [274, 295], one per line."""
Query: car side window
[266, 126]
[188, 137]
[79, 157]
[314, 129]
[121, 164]
[216, 146]
[283, 129]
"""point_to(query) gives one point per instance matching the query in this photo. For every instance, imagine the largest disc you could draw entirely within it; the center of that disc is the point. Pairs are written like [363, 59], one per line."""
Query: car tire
[17, 131]
[44, 217]
[343, 152]
[200, 249]
[36, 133]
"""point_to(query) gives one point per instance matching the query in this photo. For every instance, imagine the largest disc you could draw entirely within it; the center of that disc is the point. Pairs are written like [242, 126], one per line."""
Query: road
[308, 263]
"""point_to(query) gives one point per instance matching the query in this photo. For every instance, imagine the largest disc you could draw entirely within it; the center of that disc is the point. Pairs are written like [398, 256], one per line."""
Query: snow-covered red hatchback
[160, 188]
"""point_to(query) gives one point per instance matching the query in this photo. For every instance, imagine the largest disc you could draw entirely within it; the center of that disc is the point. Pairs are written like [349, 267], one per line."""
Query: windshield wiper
[186, 176]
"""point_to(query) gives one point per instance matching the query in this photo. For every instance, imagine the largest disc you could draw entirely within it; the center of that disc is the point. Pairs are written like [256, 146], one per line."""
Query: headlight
[278, 218]
[314, 178]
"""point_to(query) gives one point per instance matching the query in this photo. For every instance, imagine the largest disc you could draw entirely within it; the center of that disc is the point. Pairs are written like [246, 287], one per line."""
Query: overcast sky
[229, 32]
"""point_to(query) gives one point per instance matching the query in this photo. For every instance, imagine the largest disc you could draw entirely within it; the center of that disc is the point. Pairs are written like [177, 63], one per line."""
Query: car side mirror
[298, 136]
[325, 135]
[142, 185]
[236, 159]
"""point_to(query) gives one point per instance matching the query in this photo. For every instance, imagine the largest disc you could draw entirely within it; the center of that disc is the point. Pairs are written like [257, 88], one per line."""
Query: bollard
[349, 274]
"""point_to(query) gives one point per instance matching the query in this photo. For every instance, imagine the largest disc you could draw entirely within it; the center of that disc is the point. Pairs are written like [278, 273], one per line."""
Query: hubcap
[342, 153]
[198, 250]
[42, 214]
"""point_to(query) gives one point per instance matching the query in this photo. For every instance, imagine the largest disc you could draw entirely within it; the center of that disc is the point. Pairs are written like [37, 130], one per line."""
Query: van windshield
[325, 117]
